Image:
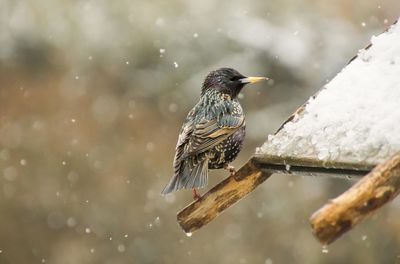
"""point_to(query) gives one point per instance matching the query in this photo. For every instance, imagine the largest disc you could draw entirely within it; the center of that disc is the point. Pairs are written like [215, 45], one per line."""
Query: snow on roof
[355, 118]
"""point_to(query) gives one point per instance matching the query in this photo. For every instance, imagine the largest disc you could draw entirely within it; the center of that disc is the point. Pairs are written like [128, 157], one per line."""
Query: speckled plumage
[213, 132]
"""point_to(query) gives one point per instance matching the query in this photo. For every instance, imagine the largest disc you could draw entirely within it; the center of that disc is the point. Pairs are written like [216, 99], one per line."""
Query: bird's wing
[184, 136]
[194, 139]
[209, 133]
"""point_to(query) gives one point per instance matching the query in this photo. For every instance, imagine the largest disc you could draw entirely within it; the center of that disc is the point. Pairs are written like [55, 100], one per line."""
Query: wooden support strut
[220, 197]
[374, 190]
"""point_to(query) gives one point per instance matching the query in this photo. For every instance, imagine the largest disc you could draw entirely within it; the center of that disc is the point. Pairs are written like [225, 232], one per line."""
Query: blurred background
[92, 97]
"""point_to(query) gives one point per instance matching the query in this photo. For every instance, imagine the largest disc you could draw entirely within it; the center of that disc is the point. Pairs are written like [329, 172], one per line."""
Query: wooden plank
[222, 196]
[311, 162]
[346, 174]
[341, 214]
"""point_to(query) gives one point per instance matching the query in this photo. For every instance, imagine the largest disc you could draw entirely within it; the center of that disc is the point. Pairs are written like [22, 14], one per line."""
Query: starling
[213, 132]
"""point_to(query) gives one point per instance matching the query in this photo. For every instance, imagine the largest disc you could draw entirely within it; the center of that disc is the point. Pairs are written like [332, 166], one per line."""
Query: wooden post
[341, 214]
[220, 197]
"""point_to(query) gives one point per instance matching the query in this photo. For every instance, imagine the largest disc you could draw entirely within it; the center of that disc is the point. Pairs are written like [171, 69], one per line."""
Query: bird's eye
[234, 78]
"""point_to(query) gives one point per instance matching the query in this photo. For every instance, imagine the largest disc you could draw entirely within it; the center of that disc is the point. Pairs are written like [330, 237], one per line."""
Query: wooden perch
[220, 197]
[341, 214]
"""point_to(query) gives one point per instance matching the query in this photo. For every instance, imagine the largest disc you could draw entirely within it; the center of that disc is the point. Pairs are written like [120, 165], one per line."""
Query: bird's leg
[230, 168]
[196, 195]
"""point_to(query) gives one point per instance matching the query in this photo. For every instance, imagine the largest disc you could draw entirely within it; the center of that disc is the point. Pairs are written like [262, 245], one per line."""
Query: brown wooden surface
[311, 162]
[220, 197]
[374, 190]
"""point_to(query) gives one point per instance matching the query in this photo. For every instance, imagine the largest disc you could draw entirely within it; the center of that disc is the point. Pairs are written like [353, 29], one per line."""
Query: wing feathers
[193, 175]
[204, 128]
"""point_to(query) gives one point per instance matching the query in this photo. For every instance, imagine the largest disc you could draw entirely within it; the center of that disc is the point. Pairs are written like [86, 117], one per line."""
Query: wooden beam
[341, 214]
[347, 174]
[311, 162]
[220, 197]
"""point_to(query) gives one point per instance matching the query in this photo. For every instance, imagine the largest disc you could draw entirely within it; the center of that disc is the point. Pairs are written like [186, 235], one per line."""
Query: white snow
[325, 250]
[121, 248]
[355, 118]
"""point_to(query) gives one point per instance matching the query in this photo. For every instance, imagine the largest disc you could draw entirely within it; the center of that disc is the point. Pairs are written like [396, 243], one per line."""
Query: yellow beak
[253, 79]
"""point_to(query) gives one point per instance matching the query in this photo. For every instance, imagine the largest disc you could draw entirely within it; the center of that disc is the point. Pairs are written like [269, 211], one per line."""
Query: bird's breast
[227, 150]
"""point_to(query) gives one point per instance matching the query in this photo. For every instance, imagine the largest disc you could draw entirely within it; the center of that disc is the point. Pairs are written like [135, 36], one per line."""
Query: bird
[213, 132]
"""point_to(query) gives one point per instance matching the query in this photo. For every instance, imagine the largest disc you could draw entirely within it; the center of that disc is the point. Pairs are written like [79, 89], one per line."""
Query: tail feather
[191, 176]
[197, 175]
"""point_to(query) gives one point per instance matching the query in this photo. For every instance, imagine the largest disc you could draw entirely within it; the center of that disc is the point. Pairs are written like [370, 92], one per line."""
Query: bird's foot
[230, 168]
[196, 195]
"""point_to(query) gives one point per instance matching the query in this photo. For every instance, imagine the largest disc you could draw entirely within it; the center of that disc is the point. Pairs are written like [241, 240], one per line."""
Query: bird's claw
[231, 169]
[196, 195]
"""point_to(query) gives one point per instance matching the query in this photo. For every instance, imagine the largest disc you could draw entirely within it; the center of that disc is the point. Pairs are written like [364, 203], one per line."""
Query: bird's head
[228, 81]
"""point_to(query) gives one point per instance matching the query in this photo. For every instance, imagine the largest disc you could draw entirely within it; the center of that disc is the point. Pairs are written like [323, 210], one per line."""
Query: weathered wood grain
[220, 197]
[341, 214]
